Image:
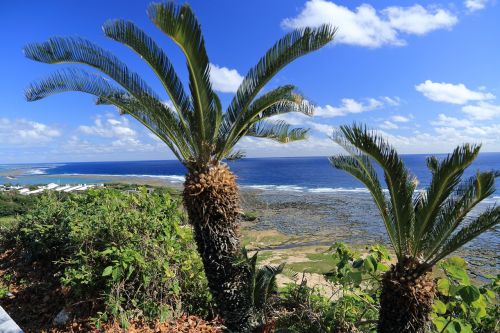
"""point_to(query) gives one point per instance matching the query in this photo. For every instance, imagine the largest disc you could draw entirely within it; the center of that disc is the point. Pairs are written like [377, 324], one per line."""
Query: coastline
[291, 224]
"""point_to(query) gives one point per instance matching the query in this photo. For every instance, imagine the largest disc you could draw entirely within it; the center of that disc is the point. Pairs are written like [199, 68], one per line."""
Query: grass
[7, 222]
[263, 238]
[318, 263]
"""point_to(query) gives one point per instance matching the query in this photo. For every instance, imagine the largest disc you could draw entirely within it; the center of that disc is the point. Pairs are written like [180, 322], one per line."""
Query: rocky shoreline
[296, 220]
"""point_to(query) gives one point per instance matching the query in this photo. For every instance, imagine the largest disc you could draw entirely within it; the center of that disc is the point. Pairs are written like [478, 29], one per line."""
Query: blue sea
[297, 174]
[302, 196]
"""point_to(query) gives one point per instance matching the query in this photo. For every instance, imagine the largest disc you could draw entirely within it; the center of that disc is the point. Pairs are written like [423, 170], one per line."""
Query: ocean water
[293, 174]
[302, 195]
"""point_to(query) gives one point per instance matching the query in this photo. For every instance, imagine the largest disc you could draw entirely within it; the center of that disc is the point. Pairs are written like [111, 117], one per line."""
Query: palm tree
[423, 227]
[194, 127]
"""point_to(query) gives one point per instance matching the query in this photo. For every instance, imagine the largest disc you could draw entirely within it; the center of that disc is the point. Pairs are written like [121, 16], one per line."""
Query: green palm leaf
[181, 25]
[484, 222]
[129, 34]
[446, 176]
[73, 79]
[287, 49]
[278, 131]
[454, 212]
[399, 182]
[360, 166]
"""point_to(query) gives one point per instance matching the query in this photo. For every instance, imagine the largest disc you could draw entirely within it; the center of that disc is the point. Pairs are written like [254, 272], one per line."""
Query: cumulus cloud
[444, 120]
[474, 5]
[418, 20]
[451, 93]
[482, 111]
[224, 79]
[365, 26]
[401, 119]
[109, 127]
[348, 106]
[26, 132]
[388, 125]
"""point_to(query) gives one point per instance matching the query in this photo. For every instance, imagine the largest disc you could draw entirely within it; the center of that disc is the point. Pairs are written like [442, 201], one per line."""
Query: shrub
[13, 203]
[462, 306]
[127, 249]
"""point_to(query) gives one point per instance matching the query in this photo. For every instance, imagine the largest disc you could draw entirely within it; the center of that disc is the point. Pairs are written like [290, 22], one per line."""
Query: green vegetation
[422, 229]
[195, 128]
[130, 255]
[356, 287]
[13, 203]
[128, 251]
[249, 216]
[462, 306]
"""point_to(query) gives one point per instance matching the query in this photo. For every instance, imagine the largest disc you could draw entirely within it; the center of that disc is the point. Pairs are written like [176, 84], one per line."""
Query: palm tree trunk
[213, 205]
[406, 299]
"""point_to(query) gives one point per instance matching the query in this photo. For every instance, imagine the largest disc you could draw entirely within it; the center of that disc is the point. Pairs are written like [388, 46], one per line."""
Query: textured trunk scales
[212, 200]
[406, 299]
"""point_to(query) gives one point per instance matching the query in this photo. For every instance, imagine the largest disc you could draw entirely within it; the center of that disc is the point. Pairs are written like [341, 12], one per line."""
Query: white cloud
[26, 132]
[474, 5]
[224, 79]
[348, 106]
[110, 127]
[451, 93]
[418, 20]
[364, 26]
[482, 111]
[401, 119]
[322, 128]
[388, 125]
[444, 120]
[393, 101]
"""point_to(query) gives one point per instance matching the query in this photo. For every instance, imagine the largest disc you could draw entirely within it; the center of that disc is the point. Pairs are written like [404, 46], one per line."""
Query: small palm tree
[262, 291]
[422, 227]
[194, 127]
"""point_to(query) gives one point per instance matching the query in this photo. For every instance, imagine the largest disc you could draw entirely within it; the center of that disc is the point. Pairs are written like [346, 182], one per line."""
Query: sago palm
[423, 226]
[194, 126]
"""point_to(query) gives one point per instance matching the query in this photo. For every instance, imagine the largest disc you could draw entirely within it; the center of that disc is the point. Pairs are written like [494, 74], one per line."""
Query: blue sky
[426, 74]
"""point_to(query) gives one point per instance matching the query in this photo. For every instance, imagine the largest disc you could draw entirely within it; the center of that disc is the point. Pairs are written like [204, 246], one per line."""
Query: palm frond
[235, 155]
[265, 285]
[455, 210]
[446, 176]
[128, 33]
[74, 79]
[400, 183]
[360, 167]
[287, 49]
[278, 131]
[285, 96]
[81, 51]
[181, 25]
[485, 221]
[432, 163]
[278, 101]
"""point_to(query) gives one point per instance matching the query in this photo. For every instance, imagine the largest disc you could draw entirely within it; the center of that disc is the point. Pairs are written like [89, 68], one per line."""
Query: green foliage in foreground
[130, 251]
[127, 248]
[352, 302]
[13, 203]
[461, 305]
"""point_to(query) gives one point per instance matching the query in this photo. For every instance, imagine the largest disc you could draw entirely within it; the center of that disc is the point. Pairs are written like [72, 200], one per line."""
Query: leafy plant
[194, 127]
[423, 228]
[126, 249]
[462, 306]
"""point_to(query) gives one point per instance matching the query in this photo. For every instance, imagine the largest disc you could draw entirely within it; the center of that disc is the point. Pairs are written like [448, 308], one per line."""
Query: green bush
[13, 203]
[462, 306]
[126, 248]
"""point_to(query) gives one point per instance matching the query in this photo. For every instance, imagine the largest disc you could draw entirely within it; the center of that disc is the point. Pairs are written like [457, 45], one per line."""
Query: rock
[62, 318]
